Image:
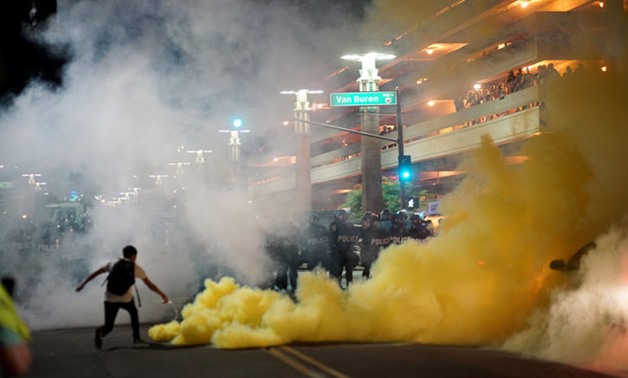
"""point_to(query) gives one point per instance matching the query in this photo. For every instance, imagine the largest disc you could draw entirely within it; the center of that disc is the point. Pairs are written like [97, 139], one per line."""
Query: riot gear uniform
[369, 245]
[315, 244]
[385, 220]
[398, 230]
[419, 228]
[343, 237]
[283, 248]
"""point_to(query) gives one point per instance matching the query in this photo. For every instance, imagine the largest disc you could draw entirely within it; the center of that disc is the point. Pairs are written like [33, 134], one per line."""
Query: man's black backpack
[121, 277]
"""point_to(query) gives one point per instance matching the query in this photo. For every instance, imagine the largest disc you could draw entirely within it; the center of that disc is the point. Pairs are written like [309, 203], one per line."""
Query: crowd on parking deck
[340, 247]
[515, 81]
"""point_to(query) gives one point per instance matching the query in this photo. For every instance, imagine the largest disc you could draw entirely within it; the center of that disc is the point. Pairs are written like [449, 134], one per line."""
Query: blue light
[237, 123]
[405, 168]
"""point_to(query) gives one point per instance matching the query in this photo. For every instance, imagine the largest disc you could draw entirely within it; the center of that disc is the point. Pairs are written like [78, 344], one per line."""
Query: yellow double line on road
[305, 364]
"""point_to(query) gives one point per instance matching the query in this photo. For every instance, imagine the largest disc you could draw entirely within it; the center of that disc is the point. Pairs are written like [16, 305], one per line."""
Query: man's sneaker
[97, 339]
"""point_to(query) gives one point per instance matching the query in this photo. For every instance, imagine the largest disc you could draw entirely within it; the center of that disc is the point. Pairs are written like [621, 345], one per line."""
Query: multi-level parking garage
[473, 68]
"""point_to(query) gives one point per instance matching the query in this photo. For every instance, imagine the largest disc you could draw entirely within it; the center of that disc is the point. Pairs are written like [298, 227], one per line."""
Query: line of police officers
[341, 247]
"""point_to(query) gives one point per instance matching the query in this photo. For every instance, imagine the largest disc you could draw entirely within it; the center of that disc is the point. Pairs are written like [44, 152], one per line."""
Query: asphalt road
[70, 353]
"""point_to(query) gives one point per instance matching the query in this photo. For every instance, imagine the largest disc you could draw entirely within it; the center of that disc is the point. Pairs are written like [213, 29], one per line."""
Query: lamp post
[302, 111]
[178, 169]
[200, 155]
[31, 177]
[158, 178]
[372, 198]
[234, 140]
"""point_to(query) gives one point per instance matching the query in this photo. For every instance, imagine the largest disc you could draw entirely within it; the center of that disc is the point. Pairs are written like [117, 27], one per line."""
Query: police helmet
[402, 214]
[341, 214]
[368, 216]
[385, 215]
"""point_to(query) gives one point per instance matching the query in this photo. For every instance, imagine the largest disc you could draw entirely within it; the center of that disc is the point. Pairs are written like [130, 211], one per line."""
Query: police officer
[283, 248]
[398, 230]
[369, 245]
[315, 244]
[343, 237]
[384, 225]
[385, 220]
[418, 227]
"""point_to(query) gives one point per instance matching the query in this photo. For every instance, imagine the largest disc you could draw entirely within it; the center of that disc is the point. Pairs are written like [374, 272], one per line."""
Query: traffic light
[237, 123]
[405, 168]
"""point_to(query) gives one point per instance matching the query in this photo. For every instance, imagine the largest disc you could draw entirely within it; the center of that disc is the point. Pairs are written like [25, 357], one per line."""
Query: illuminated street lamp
[31, 177]
[234, 140]
[179, 165]
[158, 179]
[372, 198]
[200, 155]
[302, 111]
[369, 74]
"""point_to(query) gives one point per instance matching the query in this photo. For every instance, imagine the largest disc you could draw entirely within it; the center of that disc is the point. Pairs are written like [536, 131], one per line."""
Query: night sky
[23, 59]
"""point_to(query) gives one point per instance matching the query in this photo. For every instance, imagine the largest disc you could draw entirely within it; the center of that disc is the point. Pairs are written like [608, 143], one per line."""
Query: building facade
[473, 68]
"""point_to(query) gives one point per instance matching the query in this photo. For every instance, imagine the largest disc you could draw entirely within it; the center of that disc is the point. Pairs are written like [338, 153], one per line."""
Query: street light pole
[234, 142]
[302, 111]
[372, 198]
[402, 184]
[234, 146]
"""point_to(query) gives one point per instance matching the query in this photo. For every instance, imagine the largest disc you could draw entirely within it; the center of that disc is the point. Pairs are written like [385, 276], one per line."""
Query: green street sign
[6, 184]
[363, 98]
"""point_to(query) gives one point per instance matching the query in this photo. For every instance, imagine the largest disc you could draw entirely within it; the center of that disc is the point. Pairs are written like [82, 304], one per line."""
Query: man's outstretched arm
[154, 288]
[91, 277]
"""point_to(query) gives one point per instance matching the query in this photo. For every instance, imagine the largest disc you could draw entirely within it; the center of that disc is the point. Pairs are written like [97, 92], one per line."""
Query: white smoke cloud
[144, 79]
[585, 323]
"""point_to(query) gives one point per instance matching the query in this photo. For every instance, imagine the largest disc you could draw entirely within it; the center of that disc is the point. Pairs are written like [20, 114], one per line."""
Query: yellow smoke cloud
[487, 271]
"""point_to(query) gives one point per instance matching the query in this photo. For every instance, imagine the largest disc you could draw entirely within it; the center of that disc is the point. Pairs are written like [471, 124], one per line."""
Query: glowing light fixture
[431, 103]
[368, 57]
[421, 80]
[369, 72]
[199, 154]
[405, 168]
[524, 4]
[302, 91]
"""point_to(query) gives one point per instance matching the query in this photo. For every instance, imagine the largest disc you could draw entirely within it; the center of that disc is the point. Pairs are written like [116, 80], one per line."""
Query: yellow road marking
[319, 365]
[304, 363]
